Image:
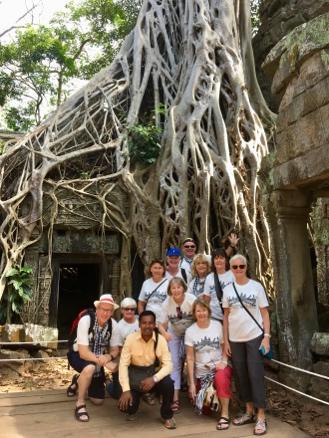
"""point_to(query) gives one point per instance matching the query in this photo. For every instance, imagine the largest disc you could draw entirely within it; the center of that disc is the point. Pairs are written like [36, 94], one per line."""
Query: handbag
[137, 373]
[211, 398]
[269, 354]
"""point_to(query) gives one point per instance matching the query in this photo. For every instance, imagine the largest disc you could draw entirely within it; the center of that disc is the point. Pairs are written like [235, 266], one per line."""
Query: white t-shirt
[240, 324]
[207, 346]
[210, 291]
[179, 275]
[122, 330]
[185, 264]
[197, 290]
[157, 298]
[178, 323]
[83, 336]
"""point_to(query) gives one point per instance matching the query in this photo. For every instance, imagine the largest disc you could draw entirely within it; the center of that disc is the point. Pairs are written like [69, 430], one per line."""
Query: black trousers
[165, 388]
[248, 369]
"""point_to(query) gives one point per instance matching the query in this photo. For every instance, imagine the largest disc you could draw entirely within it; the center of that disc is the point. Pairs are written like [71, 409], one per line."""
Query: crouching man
[90, 353]
[145, 365]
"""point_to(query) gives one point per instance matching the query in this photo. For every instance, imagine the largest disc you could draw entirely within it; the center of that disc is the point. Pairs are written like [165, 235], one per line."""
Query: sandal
[223, 423]
[170, 423]
[79, 414]
[260, 427]
[243, 419]
[73, 388]
[175, 406]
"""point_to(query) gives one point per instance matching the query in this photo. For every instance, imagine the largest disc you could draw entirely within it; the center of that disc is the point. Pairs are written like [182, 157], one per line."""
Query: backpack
[74, 326]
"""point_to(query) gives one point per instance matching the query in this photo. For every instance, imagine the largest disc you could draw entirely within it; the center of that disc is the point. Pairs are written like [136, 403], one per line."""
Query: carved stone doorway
[76, 286]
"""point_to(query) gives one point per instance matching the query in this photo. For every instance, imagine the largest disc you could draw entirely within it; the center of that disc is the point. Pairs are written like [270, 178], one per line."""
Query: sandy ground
[311, 417]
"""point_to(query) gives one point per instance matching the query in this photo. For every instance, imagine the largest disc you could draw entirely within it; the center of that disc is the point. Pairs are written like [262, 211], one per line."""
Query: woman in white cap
[90, 352]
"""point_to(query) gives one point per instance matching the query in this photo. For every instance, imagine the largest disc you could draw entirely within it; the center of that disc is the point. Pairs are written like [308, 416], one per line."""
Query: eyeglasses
[105, 310]
[129, 309]
[189, 246]
[238, 266]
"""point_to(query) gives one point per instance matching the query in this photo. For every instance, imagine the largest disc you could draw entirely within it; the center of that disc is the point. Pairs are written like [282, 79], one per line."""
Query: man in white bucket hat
[92, 350]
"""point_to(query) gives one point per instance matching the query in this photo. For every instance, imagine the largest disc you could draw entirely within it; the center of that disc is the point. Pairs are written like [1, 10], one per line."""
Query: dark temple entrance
[78, 289]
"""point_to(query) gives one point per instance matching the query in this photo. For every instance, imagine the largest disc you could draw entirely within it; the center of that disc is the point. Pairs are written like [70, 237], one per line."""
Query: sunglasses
[129, 309]
[189, 246]
[238, 266]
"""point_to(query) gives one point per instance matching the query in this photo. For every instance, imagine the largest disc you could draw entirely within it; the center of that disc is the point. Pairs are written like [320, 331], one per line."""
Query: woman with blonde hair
[200, 269]
[246, 335]
[176, 317]
[207, 362]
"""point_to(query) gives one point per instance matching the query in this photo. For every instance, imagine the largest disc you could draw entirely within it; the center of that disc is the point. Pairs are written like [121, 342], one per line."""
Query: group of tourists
[195, 309]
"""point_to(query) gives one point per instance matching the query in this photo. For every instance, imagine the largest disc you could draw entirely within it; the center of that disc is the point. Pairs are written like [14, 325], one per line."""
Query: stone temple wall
[296, 175]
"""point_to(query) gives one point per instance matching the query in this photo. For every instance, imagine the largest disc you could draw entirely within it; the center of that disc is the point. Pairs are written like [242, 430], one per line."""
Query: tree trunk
[193, 59]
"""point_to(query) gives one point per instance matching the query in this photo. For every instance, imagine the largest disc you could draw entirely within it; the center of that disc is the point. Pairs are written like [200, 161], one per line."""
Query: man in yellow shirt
[138, 359]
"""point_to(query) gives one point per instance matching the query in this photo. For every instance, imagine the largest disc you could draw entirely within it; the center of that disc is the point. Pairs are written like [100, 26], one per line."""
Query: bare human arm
[227, 349]
[267, 329]
[190, 371]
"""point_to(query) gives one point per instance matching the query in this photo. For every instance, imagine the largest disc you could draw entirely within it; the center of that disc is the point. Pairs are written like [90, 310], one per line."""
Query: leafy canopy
[39, 66]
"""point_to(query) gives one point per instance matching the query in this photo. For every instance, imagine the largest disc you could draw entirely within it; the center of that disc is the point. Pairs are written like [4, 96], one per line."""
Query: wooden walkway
[49, 414]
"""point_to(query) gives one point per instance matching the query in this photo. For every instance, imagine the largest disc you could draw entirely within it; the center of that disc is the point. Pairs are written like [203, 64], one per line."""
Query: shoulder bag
[268, 355]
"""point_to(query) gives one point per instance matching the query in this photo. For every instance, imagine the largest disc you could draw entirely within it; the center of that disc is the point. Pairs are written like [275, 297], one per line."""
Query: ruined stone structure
[296, 175]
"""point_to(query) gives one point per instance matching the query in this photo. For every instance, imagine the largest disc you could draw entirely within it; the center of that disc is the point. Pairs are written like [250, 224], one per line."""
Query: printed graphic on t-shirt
[248, 300]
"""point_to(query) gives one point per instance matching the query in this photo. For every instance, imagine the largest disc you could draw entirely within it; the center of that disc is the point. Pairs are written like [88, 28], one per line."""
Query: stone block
[319, 387]
[12, 333]
[320, 344]
[39, 334]
[308, 133]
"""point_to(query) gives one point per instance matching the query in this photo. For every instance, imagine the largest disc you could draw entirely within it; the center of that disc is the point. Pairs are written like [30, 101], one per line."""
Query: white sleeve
[207, 283]
[225, 296]
[262, 298]
[190, 287]
[164, 311]
[116, 338]
[188, 338]
[83, 329]
[142, 293]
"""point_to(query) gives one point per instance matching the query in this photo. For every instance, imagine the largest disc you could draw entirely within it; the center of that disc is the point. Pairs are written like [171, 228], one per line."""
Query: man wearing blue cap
[173, 265]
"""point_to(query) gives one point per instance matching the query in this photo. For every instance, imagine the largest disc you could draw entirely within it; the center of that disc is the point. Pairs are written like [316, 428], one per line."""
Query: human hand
[125, 401]
[233, 239]
[147, 384]
[227, 349]
[167, 336]
[192, 392]
[221, 365]
[102, 360]
[265, 345]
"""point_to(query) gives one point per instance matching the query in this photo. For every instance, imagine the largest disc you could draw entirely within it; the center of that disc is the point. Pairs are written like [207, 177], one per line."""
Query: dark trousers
[248, 368]
[165, 388]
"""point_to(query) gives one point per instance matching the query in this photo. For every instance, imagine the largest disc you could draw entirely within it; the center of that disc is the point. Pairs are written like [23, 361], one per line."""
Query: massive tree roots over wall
[187, 68]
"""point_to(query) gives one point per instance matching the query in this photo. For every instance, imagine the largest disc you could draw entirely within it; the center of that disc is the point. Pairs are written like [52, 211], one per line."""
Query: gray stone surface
[320, 344]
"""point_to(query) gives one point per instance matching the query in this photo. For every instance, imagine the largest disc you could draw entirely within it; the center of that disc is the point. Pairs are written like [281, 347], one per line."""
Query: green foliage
[18, 292]
[144, 143]
[38, 67]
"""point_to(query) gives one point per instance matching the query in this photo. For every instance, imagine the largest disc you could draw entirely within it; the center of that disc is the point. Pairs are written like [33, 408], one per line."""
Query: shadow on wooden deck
[49, 414]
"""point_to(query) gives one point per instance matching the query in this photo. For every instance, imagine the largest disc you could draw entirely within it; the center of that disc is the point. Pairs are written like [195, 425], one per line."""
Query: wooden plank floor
[49, 414]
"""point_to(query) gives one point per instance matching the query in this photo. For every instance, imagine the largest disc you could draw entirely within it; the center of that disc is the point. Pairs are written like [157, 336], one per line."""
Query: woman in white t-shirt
[205, 356]
[200, 269]
[245, 338]
[222, 274]
[154, 289]
[175, 319]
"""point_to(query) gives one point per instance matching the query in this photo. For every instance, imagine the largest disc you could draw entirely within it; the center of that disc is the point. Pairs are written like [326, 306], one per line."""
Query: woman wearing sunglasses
[244, 303]
[176, 317]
